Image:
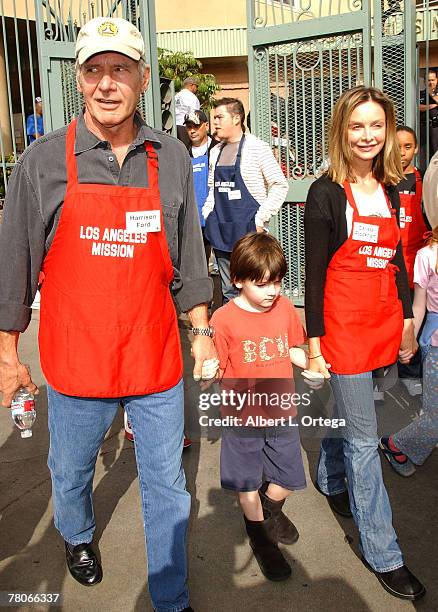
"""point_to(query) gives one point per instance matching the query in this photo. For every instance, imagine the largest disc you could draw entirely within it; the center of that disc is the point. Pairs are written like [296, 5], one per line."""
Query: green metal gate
[302, 55]
[57, 26]
[37, 40]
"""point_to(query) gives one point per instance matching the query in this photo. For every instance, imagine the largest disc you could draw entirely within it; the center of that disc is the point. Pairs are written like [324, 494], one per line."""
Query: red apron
[108, 326]
[412, 226]
[363, 316]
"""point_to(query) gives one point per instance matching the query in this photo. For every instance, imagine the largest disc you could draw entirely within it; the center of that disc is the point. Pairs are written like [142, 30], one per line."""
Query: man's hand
[259, 229]
[12, 377]
[203, 350]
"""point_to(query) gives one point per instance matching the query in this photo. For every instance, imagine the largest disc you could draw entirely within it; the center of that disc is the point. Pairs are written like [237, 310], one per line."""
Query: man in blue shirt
[34, 123]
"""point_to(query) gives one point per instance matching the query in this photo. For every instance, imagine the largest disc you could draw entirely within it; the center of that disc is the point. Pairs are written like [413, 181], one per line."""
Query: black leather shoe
[83, 564]
[339, 503]
[400, 582]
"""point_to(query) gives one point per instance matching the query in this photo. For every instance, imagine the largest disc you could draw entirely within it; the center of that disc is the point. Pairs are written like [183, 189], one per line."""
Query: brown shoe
[284, 530]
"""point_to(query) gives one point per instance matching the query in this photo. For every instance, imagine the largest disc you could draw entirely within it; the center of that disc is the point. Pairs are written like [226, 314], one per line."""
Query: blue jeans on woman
[77, 430]
[352, 461]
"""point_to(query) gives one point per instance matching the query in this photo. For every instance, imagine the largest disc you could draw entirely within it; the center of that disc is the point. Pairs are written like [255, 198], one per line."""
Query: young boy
[253, 333]
[412, 229]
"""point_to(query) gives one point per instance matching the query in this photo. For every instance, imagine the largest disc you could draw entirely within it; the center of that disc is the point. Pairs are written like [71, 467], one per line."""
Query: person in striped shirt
[246, 186]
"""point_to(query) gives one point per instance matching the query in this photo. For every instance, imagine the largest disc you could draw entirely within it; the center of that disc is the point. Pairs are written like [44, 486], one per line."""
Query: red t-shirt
[255, 345]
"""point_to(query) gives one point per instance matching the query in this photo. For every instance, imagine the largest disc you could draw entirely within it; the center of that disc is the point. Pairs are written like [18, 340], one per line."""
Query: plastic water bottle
[129, 435]
[23, 411]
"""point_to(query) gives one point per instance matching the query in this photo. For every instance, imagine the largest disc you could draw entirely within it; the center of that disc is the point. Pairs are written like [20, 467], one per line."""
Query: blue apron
[200, 182]
[429, 329]
[234, 207]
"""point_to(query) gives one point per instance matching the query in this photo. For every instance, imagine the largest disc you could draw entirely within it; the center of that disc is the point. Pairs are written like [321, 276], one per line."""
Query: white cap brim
[87, 52]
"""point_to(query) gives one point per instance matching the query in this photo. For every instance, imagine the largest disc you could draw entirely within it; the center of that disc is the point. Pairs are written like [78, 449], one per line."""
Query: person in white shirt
[185, 102]
[246, 187]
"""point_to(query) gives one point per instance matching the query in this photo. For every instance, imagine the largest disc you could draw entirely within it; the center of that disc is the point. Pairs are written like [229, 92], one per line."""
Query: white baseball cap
[105, 34]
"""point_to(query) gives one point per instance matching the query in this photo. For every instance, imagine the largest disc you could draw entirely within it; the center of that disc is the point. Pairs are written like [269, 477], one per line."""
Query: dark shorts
[249, 458]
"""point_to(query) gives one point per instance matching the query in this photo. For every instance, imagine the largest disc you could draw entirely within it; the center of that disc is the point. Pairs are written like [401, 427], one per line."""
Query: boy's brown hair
[254, 255]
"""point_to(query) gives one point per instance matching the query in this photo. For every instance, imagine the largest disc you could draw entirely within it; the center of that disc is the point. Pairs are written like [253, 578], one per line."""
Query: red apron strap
[418, 185]
[350, 198]
[152, 158]
[72, 171]
[352, 202]
[388, 203]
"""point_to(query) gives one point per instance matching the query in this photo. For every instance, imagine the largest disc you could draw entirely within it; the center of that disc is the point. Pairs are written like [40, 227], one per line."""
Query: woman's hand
[409, 345]
[318, 365]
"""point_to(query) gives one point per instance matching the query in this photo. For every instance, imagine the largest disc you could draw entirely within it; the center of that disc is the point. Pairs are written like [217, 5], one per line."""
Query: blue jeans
[77, 429]
[229, 291]
[354, 457]
[418, 439]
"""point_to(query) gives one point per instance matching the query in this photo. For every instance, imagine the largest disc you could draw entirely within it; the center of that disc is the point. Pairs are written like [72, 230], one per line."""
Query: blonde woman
[359, 315]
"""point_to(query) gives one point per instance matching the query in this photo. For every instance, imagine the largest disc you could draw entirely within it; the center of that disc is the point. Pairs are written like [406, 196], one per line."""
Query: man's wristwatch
[203, 331]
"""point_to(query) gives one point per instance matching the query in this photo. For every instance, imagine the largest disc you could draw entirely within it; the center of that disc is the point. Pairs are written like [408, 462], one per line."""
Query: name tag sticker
[365, 232]
[234, 194]
[143, 221]
[223, 189]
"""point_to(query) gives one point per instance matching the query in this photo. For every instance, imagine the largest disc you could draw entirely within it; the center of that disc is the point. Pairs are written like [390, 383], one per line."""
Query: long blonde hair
[387, 168]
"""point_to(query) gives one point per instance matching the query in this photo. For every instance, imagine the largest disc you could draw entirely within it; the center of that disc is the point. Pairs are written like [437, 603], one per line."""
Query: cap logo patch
[107, 29]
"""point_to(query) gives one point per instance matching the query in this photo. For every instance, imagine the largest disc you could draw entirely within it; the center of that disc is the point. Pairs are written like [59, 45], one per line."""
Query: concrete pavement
[327, 572]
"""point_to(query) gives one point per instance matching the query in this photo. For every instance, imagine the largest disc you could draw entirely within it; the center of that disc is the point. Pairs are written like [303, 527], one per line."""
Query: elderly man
[106, 228]
[247, 186]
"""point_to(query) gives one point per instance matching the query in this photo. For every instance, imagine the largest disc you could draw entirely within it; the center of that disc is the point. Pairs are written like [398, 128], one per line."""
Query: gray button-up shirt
[34, 201]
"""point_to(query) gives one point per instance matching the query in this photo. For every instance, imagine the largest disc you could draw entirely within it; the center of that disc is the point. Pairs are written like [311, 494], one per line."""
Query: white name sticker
[223, 189]
[234, 194]
[143, 221]
[365, 232]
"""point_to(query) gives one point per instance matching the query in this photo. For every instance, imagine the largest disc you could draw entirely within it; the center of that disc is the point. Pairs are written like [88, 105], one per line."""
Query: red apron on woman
[108, 325]
[363, 316]
[412, 226]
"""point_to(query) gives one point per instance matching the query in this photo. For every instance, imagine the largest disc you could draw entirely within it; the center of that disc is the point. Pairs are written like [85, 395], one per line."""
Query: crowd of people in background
[371, 239]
